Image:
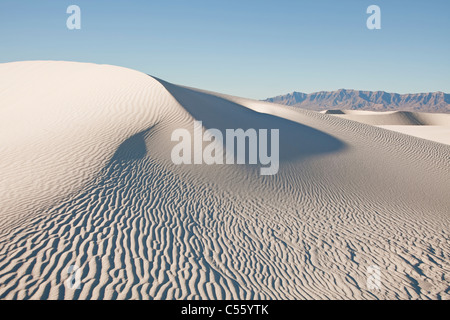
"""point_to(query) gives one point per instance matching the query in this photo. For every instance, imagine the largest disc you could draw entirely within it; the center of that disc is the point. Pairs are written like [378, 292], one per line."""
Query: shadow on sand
[295, 140]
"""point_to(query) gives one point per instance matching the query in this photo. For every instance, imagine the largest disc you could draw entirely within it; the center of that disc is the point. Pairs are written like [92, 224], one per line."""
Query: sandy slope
[430, 126]
[434, 133]
[86, 179]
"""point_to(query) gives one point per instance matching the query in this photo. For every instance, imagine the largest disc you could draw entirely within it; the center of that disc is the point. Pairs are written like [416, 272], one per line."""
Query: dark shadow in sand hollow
[296, 140]
[134, 148]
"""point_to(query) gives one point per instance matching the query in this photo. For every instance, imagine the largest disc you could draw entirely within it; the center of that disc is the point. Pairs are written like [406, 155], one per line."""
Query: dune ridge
[430, 126]
[87, 179]
[393, 117]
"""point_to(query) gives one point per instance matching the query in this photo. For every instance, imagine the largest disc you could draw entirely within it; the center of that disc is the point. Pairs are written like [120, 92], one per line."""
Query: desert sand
[87, 180]
[430, 126]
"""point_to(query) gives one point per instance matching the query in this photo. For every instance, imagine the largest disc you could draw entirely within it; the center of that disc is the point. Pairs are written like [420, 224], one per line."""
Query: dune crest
[87, 180]
[430, 126]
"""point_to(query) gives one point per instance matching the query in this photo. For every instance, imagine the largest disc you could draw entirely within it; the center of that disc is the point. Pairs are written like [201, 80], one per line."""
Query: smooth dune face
[87, 179]
[430, 126]
[434, 133]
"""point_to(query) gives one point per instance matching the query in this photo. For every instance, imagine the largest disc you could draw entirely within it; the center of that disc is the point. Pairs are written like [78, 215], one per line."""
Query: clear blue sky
[254, 49]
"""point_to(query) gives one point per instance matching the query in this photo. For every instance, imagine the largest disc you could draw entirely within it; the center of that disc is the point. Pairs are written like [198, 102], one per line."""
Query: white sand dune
[430, 126]
[87, 180]
[393, 117]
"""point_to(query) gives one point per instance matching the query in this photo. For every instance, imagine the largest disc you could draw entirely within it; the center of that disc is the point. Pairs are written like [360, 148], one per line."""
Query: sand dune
[430, 126]
[87, 180]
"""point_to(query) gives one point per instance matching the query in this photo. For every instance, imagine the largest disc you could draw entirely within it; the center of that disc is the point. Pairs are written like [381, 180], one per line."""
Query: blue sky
[254, 49]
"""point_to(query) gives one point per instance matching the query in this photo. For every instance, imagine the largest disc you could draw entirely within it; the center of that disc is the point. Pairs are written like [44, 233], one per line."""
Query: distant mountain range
[366, 100]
